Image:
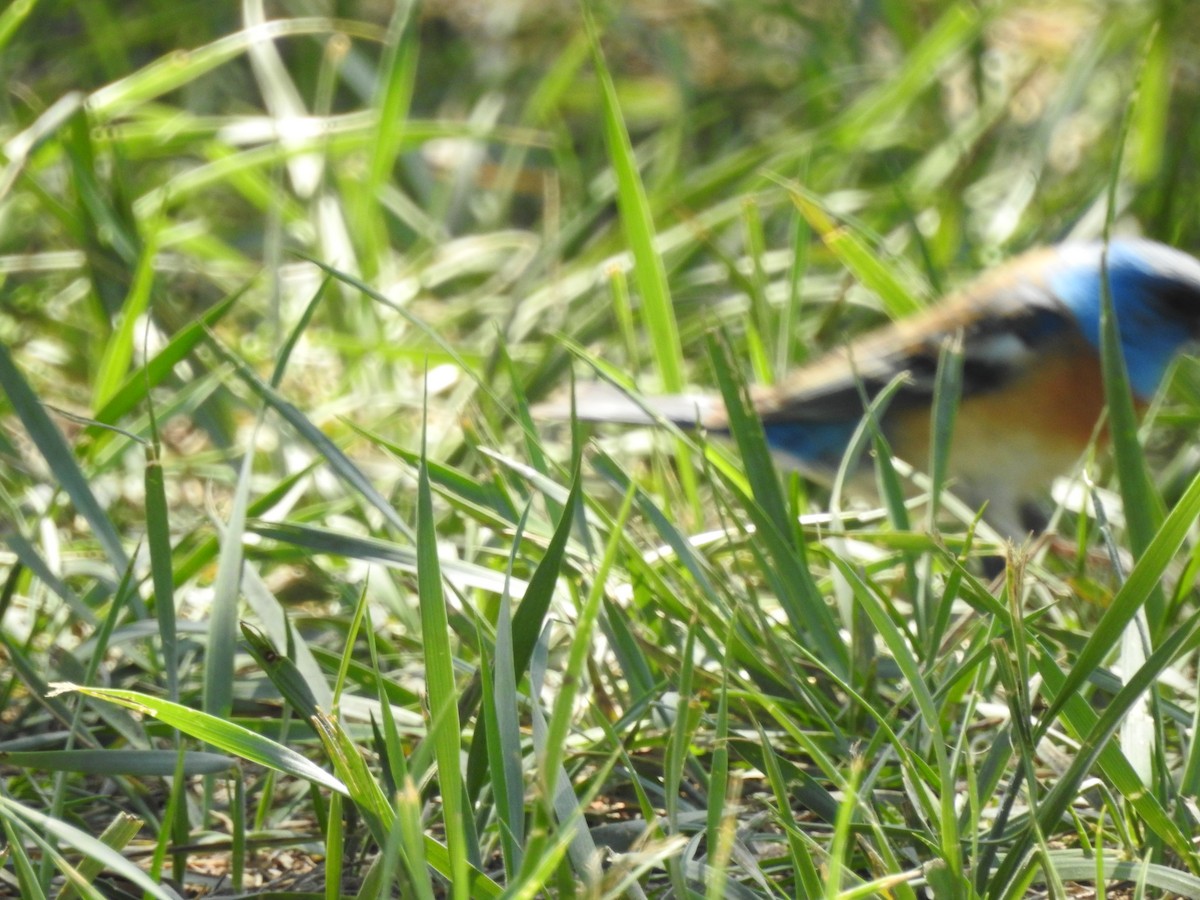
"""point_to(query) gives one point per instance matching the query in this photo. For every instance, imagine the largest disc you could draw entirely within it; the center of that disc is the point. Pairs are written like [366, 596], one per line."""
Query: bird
[1032, 389]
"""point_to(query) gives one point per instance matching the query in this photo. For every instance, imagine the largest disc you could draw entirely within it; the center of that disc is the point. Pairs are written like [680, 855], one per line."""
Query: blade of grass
[504, 734]
[174, 71]
[872, 118]
[462, 574]
[329, 451]
[217, 697]
[855, 253]
[220, 733]
[158, 541]
[446, 730]
[147, 763]
[805, 607]
[118, 349]
[13, 17]
[528, 621]
[684, 719]
[1143, 580]
[153, 373]
[393, 97]
[648, 270]
[59, 457]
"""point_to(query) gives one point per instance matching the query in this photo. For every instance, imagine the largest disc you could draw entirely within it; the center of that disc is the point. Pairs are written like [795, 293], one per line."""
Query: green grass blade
[59, 457]
[504, 730]
[330, 452]
[648, 270]
[462, 574]
[174, 71]
[160, 763]
[158, 542]
[856, 254]
[1143, 580]
[86, 844]
[13, 17]
[227, 593]
[118, 350]
[445, 728]
[26, 878]
[351, 768]
[282, 672]
[872, 117]
[747, 431]
[393, 96]
[181, 345]
[528, 621]
[220, 733]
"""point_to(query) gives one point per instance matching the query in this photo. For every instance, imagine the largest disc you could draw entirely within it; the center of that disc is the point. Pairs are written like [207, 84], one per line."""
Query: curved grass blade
[854, 253]
[177, 70]
[337, 460]
[220, 733]
[59, 457]
[91, 847]
[461, 574]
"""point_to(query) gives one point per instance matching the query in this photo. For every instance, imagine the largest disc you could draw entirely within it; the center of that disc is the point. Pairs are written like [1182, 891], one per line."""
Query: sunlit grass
[278, 299]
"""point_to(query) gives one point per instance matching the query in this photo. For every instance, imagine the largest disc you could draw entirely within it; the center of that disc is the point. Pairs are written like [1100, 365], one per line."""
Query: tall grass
[295, 592]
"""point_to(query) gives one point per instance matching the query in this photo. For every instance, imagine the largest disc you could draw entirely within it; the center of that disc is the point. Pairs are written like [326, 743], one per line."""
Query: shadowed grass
[278, 297]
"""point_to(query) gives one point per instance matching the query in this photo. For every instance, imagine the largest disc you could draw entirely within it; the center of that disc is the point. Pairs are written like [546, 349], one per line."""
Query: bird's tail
[602, 402]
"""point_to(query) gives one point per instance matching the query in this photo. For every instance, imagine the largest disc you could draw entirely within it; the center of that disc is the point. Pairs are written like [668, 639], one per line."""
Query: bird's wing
[1004, 321]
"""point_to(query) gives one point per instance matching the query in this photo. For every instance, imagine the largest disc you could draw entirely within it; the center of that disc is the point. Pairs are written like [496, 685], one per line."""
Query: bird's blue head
[1155, 294]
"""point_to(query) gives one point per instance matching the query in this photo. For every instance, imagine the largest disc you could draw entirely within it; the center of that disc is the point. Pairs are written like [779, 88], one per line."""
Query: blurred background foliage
[460, 168]
[811, 168]
[949, 134]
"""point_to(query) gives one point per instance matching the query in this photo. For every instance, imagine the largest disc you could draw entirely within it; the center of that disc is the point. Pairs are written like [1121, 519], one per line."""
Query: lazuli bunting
[1032, 391]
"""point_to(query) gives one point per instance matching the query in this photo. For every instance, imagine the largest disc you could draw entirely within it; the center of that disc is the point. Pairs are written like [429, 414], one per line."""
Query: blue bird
[1032, 391]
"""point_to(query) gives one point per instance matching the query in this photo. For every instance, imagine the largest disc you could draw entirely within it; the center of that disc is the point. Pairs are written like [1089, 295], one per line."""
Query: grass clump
[297, 596]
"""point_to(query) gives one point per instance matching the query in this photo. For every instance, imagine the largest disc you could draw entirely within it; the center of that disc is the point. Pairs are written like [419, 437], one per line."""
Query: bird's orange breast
[1022, 434]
